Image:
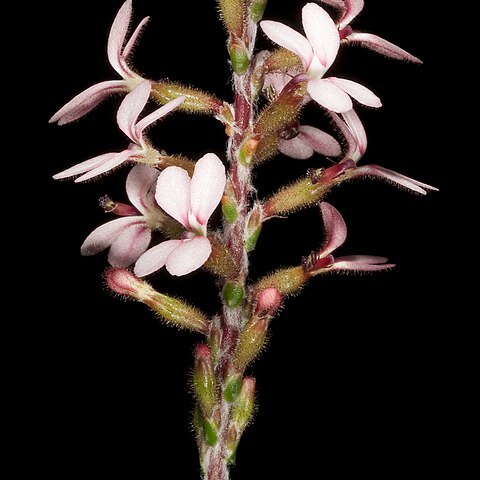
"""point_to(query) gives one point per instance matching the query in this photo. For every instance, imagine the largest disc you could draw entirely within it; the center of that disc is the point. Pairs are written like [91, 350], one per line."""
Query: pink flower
[349, 11]
[118, 55]
[127, 118]
[335, 236]
[318, 51]
[191, 202]
[307, 141]
[128, 237]
[356, 138]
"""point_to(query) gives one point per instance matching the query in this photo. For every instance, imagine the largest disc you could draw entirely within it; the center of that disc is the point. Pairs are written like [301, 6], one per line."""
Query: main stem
[230, 323]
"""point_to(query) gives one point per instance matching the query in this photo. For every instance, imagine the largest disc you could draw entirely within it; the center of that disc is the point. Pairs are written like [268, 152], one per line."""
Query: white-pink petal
[140, 186]
[297, 148]
[87, 100]
[117, 36]
[353, 8]
[133, 39]
[103, 236]
[382, 46]
[321, 32]
[208, 186]
[329, 96]
[358, 92]
[156, 115]
[189, 256]
[321, 142]
[362, 263]
[85, 166]
[129, 245]
[288, 38]
[106, 166]
[155, 258]
[357, 129]
[130, 108]
[335, 228]
[173, 193]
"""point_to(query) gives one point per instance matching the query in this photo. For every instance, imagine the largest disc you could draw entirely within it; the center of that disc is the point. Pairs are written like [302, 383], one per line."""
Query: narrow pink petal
[85, 166]
[357, 129]
[352, 148]
[133, 39]
[106, 166]
[140, 186]
[297, 147]
[288, 38]
[129, 245]
[208, 185]
[335, 228]
[87, 100]
[353, 8]
[329, 96]
[321, 32]
[103, 236]
[157, 114]
[358, 92]
[155, 258]
[189, 256]
[379, 45]
[117, 36]
[130, 109]
[394, 177]
[322, 142]
[362, 263]
[173, 193]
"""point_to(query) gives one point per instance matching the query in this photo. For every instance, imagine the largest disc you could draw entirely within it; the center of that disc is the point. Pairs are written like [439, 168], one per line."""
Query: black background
[354, 379]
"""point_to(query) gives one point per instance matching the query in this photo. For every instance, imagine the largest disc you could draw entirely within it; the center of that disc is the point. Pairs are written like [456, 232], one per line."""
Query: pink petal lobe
[131, 108]
[358, 92]
[117, 36]
[297, 148]
[133, 39]
[105, 167]
[353, 8]
[321, 32]
[288, 38]
[362, 263]
[189, 256]
[329, 96]
[87, 100]
[85, 166]
[173, 193]
[140, 187]
[157, 114]
[208, 185]
[382, 46]
[155, 258]
[103, 236]
[394, 177]
[129, 245]
[357, 129]
[335, 228]
[321, 142]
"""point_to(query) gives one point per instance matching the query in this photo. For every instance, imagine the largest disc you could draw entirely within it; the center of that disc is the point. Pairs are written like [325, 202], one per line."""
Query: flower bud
[268, 302]
[250, 342]
[233, 294]
[286, 281]
[283, 60]
[172, 310]
[233, 15]
[266, 149]
[221, 262]
[204, 379]
[196, 101]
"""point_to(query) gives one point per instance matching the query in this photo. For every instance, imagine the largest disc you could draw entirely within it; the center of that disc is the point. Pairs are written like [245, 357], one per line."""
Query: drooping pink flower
[118, 54]
[318, 51]
[191, 202]
[349, 10]
[307, 141]
[128, 237]
[335, 236]
[354, 133]
[127, 118]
